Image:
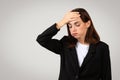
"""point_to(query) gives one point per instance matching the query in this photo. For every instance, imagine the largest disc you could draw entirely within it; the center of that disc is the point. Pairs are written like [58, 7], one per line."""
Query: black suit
[96, 65]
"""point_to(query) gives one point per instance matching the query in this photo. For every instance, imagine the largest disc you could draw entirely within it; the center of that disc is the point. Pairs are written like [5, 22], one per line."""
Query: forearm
[47, 34]
[45, 40]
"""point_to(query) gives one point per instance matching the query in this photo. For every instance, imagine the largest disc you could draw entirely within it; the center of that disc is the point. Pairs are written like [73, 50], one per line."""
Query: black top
[96, 65]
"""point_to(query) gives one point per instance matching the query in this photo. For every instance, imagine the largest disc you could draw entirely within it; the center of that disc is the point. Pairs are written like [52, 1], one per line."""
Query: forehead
[78, 20]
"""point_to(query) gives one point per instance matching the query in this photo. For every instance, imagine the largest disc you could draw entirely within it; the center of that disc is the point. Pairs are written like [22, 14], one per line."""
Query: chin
[76, 37]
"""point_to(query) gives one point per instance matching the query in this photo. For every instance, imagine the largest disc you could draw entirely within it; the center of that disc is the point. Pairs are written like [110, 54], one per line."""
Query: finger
[74, 19]
[75, 16]
[75, 13]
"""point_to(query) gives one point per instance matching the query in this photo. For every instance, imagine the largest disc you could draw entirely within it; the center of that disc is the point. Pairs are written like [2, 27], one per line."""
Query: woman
[83, 56]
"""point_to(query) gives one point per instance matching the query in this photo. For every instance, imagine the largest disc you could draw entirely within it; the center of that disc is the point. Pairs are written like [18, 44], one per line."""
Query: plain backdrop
[21, 21]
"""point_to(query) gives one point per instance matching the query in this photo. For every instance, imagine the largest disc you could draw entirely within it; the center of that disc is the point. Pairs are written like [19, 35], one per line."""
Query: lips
[74, 34]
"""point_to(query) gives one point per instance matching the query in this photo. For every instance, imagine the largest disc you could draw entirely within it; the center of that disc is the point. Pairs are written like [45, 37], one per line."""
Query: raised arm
[45, 39]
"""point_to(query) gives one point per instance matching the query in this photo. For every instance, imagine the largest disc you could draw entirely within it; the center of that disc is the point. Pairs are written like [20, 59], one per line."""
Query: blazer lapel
[88, 56]
[75, 59]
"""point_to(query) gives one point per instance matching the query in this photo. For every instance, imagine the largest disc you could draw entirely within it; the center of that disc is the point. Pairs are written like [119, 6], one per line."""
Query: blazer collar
[89, 55]
[75, 59]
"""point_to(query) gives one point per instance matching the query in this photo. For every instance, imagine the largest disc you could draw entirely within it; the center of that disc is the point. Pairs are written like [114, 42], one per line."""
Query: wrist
[60, 24]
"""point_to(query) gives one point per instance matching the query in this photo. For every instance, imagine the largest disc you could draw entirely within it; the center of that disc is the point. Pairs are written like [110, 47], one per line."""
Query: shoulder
[102, 45]
[64, 39]
[103, 48]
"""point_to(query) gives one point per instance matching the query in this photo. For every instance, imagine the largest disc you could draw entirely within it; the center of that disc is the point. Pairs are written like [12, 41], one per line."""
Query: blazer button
[76, 77]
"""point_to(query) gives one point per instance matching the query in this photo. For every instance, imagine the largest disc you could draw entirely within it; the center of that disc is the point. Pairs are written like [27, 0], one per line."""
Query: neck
[82, 41]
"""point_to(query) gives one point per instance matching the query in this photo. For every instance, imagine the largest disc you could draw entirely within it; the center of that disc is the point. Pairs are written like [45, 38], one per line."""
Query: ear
[88, 23]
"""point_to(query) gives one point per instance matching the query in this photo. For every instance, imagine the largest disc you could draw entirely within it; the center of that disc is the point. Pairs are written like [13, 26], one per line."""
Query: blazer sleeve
[45, 40]
[106, 65]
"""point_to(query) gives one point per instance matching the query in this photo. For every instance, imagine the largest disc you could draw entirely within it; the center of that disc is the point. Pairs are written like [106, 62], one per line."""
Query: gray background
[22, 58]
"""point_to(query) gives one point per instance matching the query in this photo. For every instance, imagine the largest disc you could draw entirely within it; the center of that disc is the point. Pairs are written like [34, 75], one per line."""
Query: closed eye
[77, 24]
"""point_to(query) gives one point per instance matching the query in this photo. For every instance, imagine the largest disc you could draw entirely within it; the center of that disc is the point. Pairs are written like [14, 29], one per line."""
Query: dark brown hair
[92, 36]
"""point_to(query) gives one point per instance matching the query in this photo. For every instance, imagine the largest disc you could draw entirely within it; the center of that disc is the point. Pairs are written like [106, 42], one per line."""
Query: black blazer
[96, 65]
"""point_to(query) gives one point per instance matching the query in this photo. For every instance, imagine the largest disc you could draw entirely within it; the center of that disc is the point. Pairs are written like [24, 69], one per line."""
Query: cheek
[81, 29]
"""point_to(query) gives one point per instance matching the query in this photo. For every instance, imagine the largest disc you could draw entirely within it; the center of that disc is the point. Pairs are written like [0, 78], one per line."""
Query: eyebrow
[76, 22]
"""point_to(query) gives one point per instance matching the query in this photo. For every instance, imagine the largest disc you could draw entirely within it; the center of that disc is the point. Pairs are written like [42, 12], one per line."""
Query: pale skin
[77, 27]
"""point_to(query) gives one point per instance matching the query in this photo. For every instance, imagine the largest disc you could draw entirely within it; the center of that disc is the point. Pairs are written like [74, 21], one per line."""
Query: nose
[73, 29]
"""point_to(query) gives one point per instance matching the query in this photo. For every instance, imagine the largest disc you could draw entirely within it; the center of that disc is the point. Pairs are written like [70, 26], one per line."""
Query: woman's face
[78, 28]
